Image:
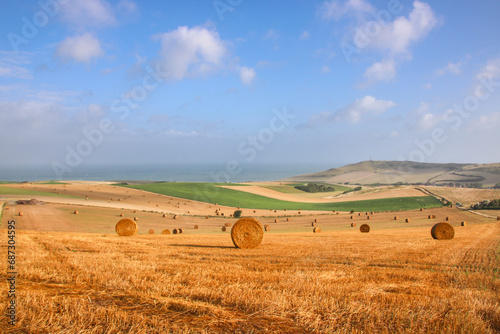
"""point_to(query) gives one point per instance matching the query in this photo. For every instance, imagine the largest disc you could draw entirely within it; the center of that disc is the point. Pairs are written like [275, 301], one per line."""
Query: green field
[16, 191]
[211, 193]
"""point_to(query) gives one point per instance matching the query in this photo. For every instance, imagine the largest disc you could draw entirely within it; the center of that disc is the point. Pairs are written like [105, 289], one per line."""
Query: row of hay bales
[245, 233]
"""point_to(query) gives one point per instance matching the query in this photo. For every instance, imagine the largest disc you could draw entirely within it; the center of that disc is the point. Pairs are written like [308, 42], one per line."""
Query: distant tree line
[493, 204]
[315, 188]
[351, 190]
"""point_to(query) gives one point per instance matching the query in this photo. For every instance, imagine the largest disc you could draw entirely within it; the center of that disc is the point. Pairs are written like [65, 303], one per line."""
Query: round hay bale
[227, 224]
[367, 217]
[122, 215]
[288, 219]
[276, 220]
[136, 218]
[443, 231]
[76, 212]
[126, 227]
[315, 220]
[267, 228]
[164, 216]
[313, 224]
[359, 213]
[352, 217]
[222, 214]
[166, 231]
[429, 216]
[224, 229]
[135, 211]
[175, 216]
[195, 227]
[353, 224]
[317, 230]
[395, 217]
[337, 213]
[421, 209]
[407, 220]
[299, 212]
[206, 217]
[181, 230]
[433, 216]
[447, 219]
[174, 231]
[151, 231]
[365, 228]
[247, 233]
[498, 218]
[371, 212]
[20, 213]
[464, 224]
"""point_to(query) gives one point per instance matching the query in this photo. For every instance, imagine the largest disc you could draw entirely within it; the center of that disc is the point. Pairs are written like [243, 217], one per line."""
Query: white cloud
[326, 69]
[453, 68]
[397, 36]
[191, 51]
[247, 75]
[382, 71]
[395, 39]
[486, 122]
[88, 13]
[80, 48]
[491, 70]
[353, 113]
[335, 9]
[422, 118]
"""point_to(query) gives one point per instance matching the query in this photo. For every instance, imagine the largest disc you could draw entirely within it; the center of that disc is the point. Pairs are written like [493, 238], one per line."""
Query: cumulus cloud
[191, 51]
[88, 13]
[354, 112]
[247, 75]
[397, 36]
[395, 39]
[382, 71]
[82, 48]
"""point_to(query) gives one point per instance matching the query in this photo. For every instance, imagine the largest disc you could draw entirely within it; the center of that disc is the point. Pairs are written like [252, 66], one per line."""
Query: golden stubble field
[395, 279]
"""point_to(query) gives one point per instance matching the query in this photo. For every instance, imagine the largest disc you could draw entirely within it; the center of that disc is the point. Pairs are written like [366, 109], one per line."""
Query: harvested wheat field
[344, 282]
[75, 274]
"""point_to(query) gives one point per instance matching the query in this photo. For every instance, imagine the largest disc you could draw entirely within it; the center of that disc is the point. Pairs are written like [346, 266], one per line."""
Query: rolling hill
[394, 172]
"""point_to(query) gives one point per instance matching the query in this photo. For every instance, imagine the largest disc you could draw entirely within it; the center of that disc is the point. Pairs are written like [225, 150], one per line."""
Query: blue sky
[330, 82]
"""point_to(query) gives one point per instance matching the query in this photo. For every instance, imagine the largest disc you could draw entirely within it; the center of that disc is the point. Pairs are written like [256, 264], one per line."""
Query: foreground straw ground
[388, 281]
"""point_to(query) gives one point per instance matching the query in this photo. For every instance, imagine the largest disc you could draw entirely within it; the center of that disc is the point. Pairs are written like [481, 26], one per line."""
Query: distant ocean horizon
[189, 172]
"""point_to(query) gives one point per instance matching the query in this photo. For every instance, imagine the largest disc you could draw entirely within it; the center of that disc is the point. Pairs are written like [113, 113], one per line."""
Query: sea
[204, 172]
